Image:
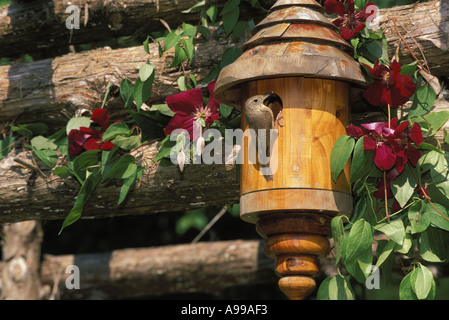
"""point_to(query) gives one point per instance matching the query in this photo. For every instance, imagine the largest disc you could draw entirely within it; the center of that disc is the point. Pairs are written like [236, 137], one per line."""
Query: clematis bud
[198, 133]
[200, 143]
[181, 160]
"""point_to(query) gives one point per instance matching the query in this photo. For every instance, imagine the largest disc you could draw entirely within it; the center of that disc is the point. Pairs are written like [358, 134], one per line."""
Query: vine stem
[389, 116]
[426, 197]
[385, 191]
[385, 174]
[408, 47]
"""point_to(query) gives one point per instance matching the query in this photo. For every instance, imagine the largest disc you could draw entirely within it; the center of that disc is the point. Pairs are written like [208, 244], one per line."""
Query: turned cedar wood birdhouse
[298, 66]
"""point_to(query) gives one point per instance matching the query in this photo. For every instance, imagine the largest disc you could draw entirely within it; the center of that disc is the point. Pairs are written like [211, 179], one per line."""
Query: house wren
[259, 115]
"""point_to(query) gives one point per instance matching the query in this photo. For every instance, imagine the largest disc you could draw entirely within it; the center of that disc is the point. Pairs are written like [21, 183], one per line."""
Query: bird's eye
[255, 100]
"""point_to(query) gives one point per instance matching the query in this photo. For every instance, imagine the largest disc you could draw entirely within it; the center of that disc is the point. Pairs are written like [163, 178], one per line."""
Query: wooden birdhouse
[298, 66]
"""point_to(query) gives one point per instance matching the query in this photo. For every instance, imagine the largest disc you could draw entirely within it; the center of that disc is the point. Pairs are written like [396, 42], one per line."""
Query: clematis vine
[349, 21]
[390, 87]
[85, 139]
[189, 107]
[392, 145]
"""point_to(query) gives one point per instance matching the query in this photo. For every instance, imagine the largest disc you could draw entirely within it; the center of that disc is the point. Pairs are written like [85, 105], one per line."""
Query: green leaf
[405, 289]
[195, 7]
[188, 30]
[171, 40]
[229, 56]
[48, 156]
[364, 263]
[385, 253]
[127, 143]
[189, 48]
[6, 146]
[423, 101]
[42, 143]
[183, 86]
[126, 92]
[406, 244]
[225, 110]
[433, 245]
[394, 230]
[404, 186]
[162, 108]
[191, 219]
[229, 6]
[84, 161]
[436, 120]
[129, 182]
[62, 172]
[362, 161]
[421, 281]
[212, 13]
[164, 149]
[341, 151]
[76, 123]
[116, 129]
[146, 45]
[30, 129]
[146, 71]
[429, 160]
[409, 69]
[239, 30]
[335, 288]
[359, 238]
[142, 90]
[85, 192]
[179, 57]
[419, 219]
[374, 48]
[440, 218]
[122, 169]
[230, 19]
[428, 146]
[338, 234]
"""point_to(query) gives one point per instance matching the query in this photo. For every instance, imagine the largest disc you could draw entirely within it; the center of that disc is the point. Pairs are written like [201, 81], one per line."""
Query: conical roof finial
[295, 39]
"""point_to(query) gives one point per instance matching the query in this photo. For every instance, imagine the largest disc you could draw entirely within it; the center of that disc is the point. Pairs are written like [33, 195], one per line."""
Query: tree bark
[46, 30]
[40, 27]
[21, 248]
[428, 24]
[204, 267]
[27, 194]
[53, 90]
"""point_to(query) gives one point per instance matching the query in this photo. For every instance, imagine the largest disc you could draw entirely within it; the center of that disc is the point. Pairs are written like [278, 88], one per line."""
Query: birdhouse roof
[295, 39]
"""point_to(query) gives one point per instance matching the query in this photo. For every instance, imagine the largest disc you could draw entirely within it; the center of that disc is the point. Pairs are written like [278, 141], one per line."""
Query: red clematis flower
[390, 87]
[84, 139]
[188, 107]
[392, 146]
[349, 21]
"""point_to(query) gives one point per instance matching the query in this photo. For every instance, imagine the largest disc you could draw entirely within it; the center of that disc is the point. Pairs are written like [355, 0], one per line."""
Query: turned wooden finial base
[296, 241]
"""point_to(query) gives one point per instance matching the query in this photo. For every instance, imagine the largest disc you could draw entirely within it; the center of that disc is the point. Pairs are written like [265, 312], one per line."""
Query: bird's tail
[266, 171]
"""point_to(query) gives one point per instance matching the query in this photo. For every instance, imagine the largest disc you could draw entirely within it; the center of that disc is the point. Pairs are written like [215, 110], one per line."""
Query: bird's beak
[270, 98]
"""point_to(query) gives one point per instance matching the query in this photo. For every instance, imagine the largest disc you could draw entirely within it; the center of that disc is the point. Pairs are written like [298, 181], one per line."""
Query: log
[427, 22]
[39, 27]
[28, 195]
[52, 90]
[21, 248]
[204, 267]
